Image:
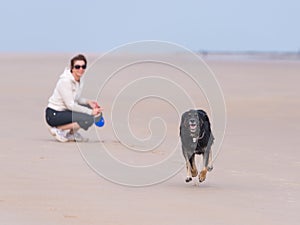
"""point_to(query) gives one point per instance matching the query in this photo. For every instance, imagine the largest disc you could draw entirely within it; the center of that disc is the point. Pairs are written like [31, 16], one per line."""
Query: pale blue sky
[97, 26]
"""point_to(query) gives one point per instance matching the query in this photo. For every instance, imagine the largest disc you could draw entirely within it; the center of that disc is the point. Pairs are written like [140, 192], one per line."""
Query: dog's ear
[184, 121]
[205, 118]
[203, 115]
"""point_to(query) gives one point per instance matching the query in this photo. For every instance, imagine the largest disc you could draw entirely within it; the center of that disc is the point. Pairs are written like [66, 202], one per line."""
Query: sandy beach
[256, 173]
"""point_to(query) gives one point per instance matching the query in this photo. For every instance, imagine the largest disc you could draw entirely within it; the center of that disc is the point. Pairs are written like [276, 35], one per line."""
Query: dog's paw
[188, 179]
[202, 175]
[210, 168]
[194, 172]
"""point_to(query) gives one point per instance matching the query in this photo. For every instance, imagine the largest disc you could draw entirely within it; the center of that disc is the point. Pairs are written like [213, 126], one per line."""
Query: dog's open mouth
[193, 127]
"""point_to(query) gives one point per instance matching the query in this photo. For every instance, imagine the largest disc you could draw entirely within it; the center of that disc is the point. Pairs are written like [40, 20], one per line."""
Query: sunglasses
[77, 67]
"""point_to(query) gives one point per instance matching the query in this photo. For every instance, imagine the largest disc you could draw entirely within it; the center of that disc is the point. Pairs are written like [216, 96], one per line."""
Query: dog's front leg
[189, 174]
[202, 175]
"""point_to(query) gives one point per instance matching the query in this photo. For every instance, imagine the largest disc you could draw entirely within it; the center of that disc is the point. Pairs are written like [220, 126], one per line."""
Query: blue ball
[99, 121]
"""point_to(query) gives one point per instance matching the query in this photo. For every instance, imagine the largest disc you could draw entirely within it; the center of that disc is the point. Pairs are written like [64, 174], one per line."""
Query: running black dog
[196, 138]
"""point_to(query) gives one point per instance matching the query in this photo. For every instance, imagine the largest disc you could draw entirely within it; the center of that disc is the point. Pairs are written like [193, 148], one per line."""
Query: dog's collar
[195, 139]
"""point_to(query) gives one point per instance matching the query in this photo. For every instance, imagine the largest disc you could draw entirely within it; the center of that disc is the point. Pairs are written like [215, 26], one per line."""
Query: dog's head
[190, 120]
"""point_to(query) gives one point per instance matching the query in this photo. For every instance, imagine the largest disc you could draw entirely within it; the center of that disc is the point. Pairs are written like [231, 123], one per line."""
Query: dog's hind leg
[210, 163]
[210, 160]
[194, 170]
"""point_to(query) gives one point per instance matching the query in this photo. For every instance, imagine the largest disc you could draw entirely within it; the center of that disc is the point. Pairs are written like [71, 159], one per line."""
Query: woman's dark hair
[76, 58]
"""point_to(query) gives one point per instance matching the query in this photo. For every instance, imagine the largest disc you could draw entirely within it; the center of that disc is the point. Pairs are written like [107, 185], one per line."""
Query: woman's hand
[97, 111]
[95, 107]
[93, 104]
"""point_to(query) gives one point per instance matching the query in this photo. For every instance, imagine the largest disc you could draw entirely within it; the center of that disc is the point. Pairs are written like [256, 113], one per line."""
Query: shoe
[76, 137]
[79, 138]
[52, 131]
[60, 135]
[70, 136]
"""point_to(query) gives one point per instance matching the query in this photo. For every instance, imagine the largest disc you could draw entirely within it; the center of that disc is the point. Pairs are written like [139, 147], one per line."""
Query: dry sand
[255, 178]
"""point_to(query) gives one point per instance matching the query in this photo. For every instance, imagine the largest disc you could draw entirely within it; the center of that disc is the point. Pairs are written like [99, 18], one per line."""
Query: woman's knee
[87, 122]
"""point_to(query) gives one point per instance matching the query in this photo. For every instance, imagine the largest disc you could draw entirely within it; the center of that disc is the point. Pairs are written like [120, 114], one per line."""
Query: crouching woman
[67, 112]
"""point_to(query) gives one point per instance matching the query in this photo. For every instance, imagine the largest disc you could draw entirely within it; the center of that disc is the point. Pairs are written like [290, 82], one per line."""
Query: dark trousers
[58, 118]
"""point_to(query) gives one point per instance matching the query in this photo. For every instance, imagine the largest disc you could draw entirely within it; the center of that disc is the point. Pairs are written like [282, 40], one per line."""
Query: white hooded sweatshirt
[66, 95]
